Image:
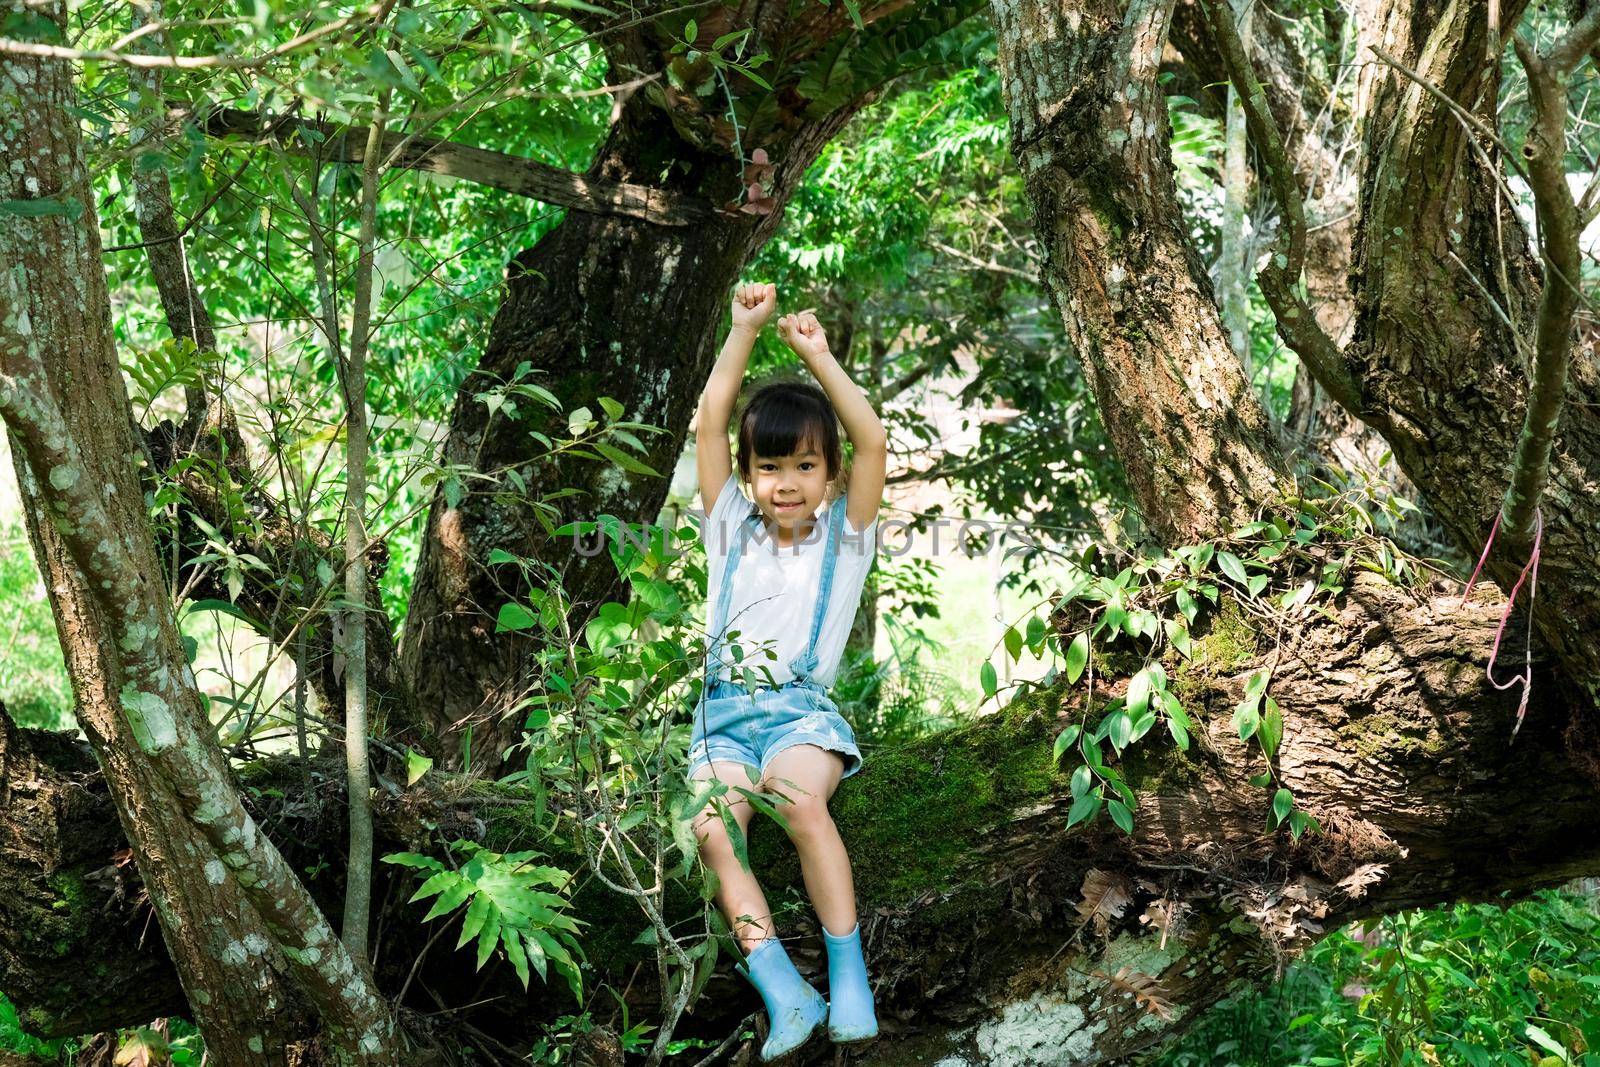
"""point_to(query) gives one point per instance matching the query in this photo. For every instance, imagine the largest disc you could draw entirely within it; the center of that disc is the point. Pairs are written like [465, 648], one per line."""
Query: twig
[137, 59]
[727, 1041]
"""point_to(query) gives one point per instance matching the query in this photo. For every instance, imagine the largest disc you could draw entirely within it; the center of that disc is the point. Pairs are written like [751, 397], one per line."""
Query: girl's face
[789, 489]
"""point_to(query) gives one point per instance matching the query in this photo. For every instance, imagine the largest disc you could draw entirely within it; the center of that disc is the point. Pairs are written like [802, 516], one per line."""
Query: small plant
[1138, 622]
[505, 907]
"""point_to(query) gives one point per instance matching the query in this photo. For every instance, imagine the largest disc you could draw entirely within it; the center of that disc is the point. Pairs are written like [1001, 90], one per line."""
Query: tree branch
[498, 170]
[1295, 320]
[1559, 228]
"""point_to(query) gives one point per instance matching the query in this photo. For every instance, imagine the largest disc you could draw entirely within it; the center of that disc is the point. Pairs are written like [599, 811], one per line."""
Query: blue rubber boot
[795, 1011]
[850, 1013]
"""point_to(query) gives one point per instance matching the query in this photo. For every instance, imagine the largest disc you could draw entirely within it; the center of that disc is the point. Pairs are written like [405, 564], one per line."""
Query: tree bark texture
[223, 897]
[1445, 379]
[53, 264]
[1090, 134]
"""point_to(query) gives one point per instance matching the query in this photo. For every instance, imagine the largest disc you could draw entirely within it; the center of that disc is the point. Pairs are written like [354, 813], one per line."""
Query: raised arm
[805, 335]
[752, 306]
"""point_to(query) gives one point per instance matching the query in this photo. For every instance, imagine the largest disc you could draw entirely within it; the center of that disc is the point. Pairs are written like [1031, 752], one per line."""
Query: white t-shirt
[775, 587]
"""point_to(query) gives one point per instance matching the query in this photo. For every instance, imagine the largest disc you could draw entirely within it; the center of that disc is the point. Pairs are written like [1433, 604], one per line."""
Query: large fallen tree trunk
[1005, 919]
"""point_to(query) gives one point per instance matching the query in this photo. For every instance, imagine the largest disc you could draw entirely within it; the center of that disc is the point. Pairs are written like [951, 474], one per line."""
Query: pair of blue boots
[795, 1011]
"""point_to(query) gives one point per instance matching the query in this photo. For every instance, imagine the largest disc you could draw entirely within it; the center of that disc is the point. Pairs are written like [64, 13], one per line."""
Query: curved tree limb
[1279, 278]
[1559, 229]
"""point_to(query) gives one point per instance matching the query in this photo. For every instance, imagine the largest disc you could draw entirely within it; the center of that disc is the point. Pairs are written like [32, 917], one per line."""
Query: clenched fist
[753, 305]
[804, 334]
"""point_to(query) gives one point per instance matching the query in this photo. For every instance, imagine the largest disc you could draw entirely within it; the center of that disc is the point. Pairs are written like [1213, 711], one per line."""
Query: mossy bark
[224, 900]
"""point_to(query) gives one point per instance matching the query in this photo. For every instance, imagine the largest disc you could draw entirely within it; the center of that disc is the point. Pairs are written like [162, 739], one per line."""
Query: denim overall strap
[804, 664]
[719, 617]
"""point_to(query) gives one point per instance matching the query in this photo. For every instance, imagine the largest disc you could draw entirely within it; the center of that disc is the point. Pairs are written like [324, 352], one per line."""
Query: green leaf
[1282, 802]
[1013, 641]
[622, 459]
[1138, 696]
[1077, 657]
[1546, 1042]
[1082, 781]
[478, 913]
[1246, 719]
[1271, 728]
[1232, 567]
[488, 936]
[1178, 722]
[735, 835]
[1112, 618]
[1178, 634]
[1300, 822]
[1256, 584]
[1296, 597]
[519, 959]
[416, 766]
[70, 206]
[611, 407]
[765, 806]
[1084, 808]
[579, 421]
[1120, 815]
[988, 678]
[514, 616]
[222, 606]
[1187, 605]
[1064, 741]
[1120, 728]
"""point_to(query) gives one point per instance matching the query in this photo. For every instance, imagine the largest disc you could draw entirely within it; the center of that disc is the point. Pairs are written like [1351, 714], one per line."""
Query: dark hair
[780, 416]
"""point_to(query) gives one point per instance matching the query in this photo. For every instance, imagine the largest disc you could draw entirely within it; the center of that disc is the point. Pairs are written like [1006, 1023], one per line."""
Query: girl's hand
[804, 334]
[753, 305]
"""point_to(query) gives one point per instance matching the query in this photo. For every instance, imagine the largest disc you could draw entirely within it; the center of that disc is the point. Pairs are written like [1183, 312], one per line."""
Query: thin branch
[137, 59]
[1299, 327]
[353, 379]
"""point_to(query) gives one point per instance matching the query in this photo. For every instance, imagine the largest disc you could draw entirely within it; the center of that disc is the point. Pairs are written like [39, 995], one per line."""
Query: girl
[783, 578]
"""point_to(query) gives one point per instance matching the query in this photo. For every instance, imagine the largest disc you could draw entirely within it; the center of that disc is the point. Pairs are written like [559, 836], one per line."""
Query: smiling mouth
[789, 507]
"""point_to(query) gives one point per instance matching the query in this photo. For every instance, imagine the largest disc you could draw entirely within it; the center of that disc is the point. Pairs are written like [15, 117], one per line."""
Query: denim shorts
[734, 724]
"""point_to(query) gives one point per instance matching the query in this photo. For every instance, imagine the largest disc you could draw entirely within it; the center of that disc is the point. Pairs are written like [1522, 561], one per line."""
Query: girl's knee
[806, 816]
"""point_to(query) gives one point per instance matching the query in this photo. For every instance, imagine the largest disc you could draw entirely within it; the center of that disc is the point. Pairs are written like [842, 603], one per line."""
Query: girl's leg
[738, 894]
[812, 774]
[808, 775]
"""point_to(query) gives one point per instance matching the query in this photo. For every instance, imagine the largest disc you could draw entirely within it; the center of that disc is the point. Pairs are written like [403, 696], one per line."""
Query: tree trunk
[226, 903]
[1090, 133]
[1317, 125]
[1444, 378]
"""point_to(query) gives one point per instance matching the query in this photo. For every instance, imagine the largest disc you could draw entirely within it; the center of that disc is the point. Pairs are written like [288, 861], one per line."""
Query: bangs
[784, 428]
[784, 418]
